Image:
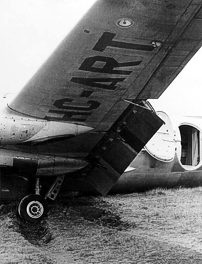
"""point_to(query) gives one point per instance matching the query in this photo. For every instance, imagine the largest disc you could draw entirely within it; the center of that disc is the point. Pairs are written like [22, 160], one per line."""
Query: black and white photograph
[100, 131]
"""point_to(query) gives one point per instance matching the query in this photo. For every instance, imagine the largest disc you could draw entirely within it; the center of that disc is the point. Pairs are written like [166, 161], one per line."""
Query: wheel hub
[35, 209]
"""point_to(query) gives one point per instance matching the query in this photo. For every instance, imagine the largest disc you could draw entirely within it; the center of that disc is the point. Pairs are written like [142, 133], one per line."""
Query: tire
[32, 208]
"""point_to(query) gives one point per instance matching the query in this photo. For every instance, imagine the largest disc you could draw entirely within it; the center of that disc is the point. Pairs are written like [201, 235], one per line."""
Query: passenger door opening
[190, 144]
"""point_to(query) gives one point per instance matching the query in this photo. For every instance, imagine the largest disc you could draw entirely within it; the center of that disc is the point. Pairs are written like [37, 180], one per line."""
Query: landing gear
[33, 208]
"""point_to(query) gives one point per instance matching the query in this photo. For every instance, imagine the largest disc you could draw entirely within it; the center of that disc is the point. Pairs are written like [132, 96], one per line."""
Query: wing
[121, 49]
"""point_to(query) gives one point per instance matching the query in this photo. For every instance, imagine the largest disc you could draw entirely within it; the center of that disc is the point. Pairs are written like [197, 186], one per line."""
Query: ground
[159, 226]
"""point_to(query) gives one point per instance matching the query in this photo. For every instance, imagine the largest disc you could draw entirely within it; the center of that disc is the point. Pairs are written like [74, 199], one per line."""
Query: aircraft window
[190, 143]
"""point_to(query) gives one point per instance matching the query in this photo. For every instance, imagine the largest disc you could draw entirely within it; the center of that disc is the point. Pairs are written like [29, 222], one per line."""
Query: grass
[173, 216]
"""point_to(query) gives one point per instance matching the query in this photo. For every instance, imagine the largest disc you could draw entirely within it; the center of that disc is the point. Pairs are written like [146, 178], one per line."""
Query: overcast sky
[31, 29]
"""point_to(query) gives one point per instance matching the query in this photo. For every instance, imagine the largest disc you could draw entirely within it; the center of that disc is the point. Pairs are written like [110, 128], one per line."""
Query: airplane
[172, 158]
[84, 115]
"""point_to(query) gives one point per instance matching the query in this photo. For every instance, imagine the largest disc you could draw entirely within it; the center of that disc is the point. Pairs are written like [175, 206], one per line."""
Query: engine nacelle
[17, 129]
[38, 165]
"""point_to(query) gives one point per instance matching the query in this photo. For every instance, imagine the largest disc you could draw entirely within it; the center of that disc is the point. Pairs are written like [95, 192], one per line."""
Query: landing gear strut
[33, 207]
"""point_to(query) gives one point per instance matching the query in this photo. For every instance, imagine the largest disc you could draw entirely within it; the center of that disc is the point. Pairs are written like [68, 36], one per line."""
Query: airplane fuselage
[168, 159]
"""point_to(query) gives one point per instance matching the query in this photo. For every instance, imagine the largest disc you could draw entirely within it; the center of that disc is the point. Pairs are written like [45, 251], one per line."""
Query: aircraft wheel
[32, 208]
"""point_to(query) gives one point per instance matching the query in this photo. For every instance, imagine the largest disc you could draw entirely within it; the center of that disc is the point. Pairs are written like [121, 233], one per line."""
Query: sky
[31, 29]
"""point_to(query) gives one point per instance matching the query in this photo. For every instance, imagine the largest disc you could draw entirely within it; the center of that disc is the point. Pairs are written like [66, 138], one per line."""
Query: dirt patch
[160, 226]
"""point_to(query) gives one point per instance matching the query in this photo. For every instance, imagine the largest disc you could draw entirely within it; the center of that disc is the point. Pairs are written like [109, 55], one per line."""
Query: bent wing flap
[113, 154]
